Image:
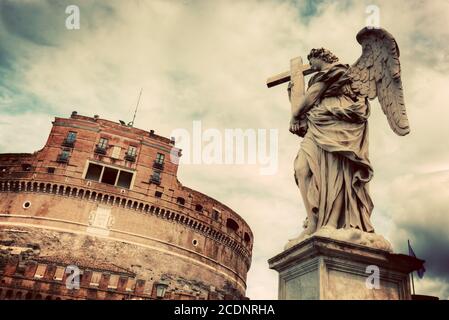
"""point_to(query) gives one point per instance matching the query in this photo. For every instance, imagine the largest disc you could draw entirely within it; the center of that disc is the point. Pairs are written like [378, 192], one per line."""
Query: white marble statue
[332, 168]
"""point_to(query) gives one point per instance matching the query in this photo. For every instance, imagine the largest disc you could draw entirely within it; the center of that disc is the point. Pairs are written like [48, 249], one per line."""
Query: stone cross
[296, 76]
[296, 66]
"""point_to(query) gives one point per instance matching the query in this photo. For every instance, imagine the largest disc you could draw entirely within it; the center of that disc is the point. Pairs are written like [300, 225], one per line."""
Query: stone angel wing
[377, 73]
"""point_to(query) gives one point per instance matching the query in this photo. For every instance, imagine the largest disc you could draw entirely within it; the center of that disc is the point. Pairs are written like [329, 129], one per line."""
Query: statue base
[351, 235]
[321, 268]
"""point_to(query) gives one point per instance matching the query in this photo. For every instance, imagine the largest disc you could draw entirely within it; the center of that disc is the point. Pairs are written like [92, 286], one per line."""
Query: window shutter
[116, 152]
[59, 273]
[40, 271]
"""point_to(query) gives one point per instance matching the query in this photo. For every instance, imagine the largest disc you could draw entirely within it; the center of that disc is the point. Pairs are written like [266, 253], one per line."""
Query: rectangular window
[40, 271]
[159, 162]
[158, 194]
[63, 157]
[160, 158]
[70, 139]
[103, 143]
[156, 177]
[131, 154]
[51, 170]
[71, 136]
[101, 147]
[65, 154]
[95, 279]
[124, 180]
[94, 172]
[131, 284]
[59, 273]
[113, 281]
[132, 151]
[109, 175]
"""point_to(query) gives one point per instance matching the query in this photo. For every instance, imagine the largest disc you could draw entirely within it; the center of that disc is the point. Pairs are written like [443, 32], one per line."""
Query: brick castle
[104, 197]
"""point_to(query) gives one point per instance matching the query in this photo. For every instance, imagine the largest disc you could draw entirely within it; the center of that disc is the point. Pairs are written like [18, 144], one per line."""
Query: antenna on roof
[135, 111]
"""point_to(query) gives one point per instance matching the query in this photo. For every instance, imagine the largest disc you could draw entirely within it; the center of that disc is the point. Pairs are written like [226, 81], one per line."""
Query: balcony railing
[130, 157]
[158, 165]
[100, 149]
[62, 158]
[155, 179]
[68, 143]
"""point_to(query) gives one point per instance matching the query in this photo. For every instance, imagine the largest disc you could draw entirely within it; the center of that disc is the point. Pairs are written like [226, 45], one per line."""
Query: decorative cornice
[130, 204]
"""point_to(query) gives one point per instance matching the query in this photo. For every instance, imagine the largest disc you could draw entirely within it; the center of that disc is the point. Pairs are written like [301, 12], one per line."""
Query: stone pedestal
[325, 269]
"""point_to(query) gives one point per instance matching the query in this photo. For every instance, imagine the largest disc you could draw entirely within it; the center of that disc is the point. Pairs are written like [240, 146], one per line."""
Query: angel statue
[332, 168]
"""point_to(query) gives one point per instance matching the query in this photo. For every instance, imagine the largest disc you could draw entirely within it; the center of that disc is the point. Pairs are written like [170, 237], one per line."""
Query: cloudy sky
[208, 61]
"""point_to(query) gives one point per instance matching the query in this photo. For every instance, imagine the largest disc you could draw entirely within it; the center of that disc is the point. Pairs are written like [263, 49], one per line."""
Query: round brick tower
[102, 199]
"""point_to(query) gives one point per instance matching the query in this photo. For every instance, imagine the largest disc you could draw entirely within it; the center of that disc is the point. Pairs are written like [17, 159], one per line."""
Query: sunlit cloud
[208, 61]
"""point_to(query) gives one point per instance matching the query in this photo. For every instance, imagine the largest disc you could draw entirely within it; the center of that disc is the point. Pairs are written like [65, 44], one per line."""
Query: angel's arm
[306, 102]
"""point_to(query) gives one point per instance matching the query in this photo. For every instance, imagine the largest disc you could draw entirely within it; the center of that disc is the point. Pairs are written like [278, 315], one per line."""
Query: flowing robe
[336, 149]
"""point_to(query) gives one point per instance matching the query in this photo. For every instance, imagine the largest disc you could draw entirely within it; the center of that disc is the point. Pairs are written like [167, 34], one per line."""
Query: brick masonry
[147, 230]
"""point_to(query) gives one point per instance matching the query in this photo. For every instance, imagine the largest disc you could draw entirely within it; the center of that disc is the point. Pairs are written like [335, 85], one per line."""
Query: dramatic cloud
[208, 61]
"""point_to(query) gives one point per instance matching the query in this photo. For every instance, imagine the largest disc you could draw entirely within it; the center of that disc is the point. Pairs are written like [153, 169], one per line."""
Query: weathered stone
[328, 269]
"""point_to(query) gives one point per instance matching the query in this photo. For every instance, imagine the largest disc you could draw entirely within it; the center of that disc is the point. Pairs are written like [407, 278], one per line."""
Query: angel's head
[319, 59]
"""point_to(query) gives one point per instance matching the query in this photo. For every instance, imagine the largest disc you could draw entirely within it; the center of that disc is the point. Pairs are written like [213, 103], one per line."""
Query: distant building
[104, 197]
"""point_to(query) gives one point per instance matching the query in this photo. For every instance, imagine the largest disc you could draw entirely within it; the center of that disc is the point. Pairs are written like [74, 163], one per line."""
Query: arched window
[180, 200]
[8, 295]
[215, 214]
[232, 224]
[246, 237]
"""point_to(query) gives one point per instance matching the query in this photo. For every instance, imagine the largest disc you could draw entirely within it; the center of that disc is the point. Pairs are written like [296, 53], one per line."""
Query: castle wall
[159, 225]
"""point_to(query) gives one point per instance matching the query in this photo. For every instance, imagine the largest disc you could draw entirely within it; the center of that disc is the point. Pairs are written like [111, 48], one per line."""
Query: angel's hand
[294, 126]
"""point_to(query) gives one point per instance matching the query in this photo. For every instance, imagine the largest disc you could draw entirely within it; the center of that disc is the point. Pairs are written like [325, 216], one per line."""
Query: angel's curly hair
[323, 54]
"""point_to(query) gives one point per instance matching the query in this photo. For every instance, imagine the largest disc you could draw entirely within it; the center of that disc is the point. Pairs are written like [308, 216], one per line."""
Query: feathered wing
[377, 73]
